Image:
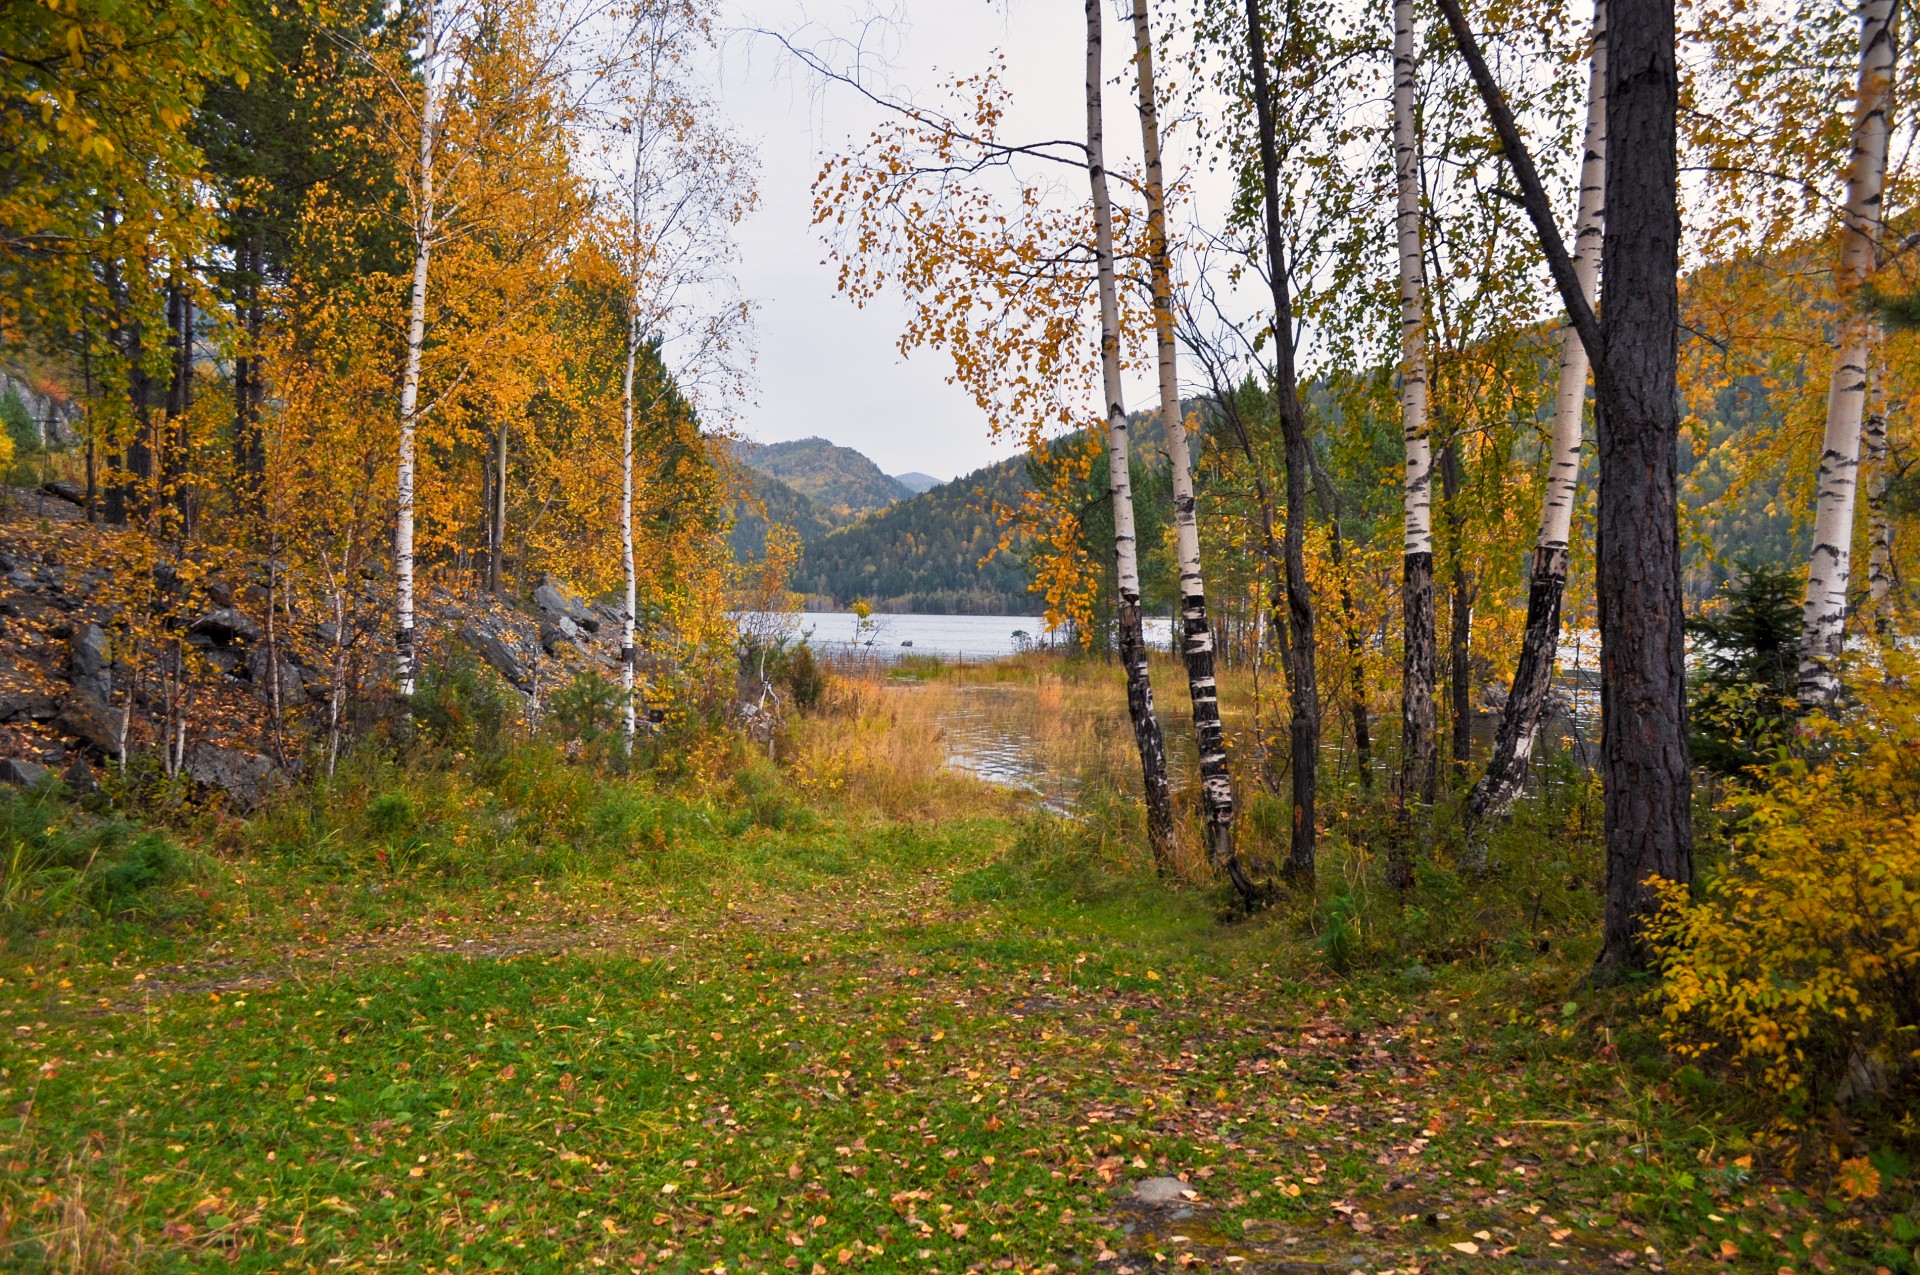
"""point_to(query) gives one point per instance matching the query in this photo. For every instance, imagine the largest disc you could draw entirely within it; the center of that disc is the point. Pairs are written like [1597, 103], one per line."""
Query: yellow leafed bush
[1801, 960]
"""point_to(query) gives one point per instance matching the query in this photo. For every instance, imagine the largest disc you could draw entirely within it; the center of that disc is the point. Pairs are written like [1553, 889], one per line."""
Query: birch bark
[1879, 524]
[1196, 634]
[1829, 572]
[423, 231]
[629, 604]
[1419, 672]
[1133, 645]
[1526, 703]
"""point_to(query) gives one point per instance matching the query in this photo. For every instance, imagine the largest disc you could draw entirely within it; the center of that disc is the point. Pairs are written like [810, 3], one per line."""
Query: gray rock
[1162, 1191]
[91, 721]
[500, 653]
[553, 598]
[556, 631]
[293, 691]
[248, 778]
[21, 773]
[78, 777]
[26, 706]
[224, 625]
[90, 662]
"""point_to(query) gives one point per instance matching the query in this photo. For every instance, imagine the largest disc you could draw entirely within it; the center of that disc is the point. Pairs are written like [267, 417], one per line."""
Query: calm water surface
[951, 637]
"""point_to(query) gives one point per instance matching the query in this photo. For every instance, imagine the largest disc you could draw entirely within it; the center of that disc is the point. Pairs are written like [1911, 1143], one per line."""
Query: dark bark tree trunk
[249, 382]
[1304, 729]
[1460, 628]
[1643, 688]
[172, 457]
[1645, 766]
[497, 514]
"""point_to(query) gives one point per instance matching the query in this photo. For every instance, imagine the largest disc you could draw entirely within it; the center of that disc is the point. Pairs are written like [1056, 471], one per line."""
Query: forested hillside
[925, 553]
[768, 502]
[837, 479]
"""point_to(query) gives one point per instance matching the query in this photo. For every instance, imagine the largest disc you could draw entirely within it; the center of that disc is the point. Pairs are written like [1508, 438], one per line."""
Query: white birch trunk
[1823, 624]
[1879, 524]
[1419, 748]
[1589, 232]
[410, 380]
[1196, 632]
[1119, 470]
[1526, 705]
[1418, 489]
[1133, 651]
[630, 599]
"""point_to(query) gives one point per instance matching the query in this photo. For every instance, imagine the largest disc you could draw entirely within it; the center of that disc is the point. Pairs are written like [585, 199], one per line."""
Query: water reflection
[990, 732]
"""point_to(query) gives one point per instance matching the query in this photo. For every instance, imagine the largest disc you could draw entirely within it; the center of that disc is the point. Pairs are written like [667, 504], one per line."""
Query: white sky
[825, 367]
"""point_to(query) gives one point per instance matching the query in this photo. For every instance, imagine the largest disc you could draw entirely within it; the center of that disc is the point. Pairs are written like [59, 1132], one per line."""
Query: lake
[951, 637]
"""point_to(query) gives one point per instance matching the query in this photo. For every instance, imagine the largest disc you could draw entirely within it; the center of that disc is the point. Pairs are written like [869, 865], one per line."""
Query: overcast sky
[825, 367]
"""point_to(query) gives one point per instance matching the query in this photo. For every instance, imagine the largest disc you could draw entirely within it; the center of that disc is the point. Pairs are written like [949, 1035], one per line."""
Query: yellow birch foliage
[1804, 952]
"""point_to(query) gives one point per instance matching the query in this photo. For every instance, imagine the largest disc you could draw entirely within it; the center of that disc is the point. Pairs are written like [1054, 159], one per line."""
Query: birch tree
[1196, 634]
[1133, 643]
[1829, 571]
[686, 186]
[1533, 675]
[1418, 764]
[424, 227]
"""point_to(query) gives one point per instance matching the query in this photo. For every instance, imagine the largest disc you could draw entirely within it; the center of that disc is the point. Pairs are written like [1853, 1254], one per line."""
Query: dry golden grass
[76, 1231]
[879, 746]
[887, 738]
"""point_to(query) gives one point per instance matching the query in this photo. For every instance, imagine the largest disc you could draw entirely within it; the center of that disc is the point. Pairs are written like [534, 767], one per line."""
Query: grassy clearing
[503, 1012]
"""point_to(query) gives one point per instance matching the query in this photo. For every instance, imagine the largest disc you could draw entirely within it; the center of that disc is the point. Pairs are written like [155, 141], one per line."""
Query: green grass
[570, 1023]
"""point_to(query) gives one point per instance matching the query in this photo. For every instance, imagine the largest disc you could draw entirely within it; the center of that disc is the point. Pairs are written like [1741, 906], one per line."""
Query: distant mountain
[771, 501]
[838, 480]
[917, 482]
[923, 554]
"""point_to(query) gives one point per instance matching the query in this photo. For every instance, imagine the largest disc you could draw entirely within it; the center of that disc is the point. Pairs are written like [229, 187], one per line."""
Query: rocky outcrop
[500, 652]
[558, 604]
[246, 778]
[27, 706]
[224, 626]
[293, 687]
[90, 662]
[91, 722]
[21, 773]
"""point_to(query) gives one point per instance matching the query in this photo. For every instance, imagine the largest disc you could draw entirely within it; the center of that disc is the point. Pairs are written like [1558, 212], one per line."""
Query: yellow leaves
[1797, 951]
[1859, 1180]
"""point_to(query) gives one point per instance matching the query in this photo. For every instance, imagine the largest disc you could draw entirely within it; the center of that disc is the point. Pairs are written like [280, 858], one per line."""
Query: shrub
[58, 865]
[1801, 959]
[1742, 701]
[463, 705]
[805, 678]
[21, 438]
